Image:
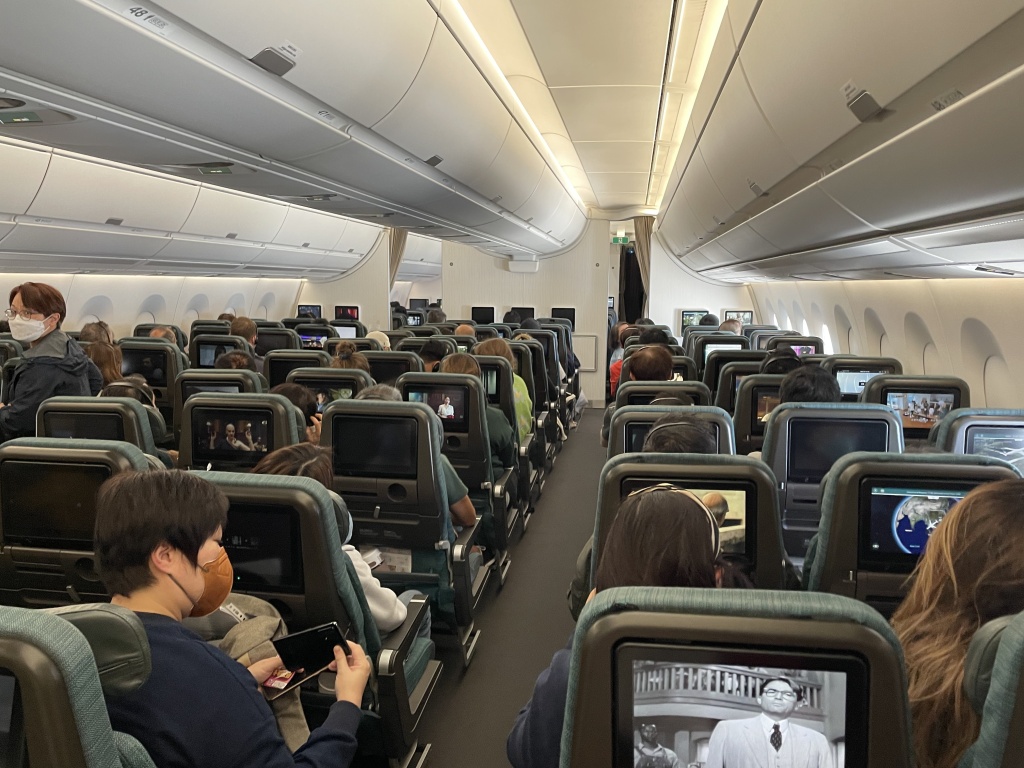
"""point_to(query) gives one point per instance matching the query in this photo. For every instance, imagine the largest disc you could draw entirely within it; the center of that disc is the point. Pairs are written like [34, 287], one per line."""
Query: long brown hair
[971, 572]
[107, 358]
[301, 460]
[347, 356]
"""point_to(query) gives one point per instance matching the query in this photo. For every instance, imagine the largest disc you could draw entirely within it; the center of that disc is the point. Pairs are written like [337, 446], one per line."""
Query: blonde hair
[496, 347]
[971, 572]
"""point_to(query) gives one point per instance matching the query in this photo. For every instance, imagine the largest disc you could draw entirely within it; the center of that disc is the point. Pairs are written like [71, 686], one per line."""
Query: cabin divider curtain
[643, 226]
[396, 249]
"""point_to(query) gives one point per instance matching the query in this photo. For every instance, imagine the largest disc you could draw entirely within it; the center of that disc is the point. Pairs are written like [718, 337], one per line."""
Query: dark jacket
[55, 366]
[536, 737]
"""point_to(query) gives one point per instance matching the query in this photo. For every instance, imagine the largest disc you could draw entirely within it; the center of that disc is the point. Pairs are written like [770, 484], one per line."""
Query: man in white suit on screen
[770, 740]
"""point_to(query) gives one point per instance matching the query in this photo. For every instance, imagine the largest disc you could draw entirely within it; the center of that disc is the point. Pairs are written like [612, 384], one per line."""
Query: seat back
[643, 392]
[397, 334]
[280, 362]
[722, 357]
[756, 397]
[9, 367]
[631, 423]
[801, 345]
[484, 332]
[416, 317]
[496, 374]
[549, 341]
[269, 339]
[747, 330]
[205, 348]
[854, 372]
[330, 384]
[387, 367]
[96, 418]
[59, 719]
[209, 327]
[706, 343]
[47, 516]
[729, 379]
[415, 344]
[633, 345]
[921, 401]
[159, 362]
[346, 328]
[695, 660]
[9, 348]
[361, 344]
[421, 331]
[992, 432]
[315, 336]
[197, 380]
[877, 512]
[750, 533]
[801, 443]
[546, 388]
[759, 339]
[232, 432]
[690, 331]
[143, 329]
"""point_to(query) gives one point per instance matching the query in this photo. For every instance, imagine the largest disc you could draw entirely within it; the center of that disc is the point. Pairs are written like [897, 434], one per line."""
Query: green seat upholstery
[65, 721]
[768, 621]
[195, 379]
[717, 419]
[134, 417]
[755, 389]
[953, 432]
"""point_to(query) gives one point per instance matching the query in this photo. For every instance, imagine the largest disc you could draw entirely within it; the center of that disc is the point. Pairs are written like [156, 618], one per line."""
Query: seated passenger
[432, 353]
[236, 359]
[107, 358]
[164, 332]
[650, 336]
[661, 537]
[158, 551]
[732, 325]
[502, 438]
[653, 363]
[346, 356]
[229, 316]
[971, 572]
[436, 315]
[303, 399]
[247, 329]
[465, 330]
[520, 393]
[381, 338]
[781, 361]
[809, 384]
[511, 317]
[709, 320]
[98, 331]
[616, 342]
[304, 460]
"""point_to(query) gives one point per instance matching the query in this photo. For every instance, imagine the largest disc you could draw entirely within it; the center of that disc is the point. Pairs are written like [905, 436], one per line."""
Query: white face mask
[27, 330]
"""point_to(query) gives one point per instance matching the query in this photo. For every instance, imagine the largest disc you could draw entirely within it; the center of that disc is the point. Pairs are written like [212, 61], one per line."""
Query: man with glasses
[770, 740]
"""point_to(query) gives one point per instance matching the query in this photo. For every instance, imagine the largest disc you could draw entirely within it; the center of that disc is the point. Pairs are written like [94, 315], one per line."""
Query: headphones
[716, 534]
[148, 399]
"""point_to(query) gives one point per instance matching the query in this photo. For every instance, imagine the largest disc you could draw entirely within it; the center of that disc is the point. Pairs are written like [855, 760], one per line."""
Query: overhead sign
[620, 241]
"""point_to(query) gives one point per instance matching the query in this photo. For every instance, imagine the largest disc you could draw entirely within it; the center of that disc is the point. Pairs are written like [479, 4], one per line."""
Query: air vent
[996, 270]
[114, 222]
[435, 161]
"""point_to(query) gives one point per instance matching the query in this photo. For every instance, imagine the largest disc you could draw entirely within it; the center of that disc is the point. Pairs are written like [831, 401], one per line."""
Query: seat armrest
[503, 483]
[525, 445]
[465, 541]
[394, 650]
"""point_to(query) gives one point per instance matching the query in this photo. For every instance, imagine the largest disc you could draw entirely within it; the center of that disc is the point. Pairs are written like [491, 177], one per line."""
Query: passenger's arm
[387, 610]
[536, 736]
[32, 387]
[463, 511]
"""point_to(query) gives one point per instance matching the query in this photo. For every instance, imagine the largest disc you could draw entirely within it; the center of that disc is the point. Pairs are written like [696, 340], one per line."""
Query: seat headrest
[118, 641]
[343, 516]
[981, 657]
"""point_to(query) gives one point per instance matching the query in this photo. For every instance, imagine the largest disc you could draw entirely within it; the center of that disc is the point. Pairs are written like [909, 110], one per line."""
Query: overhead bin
[307, 228]
[722, 54]
[421, 250]
[359, 238]
[48, 236]
[703, 196]
[199, 249]
[24, 166]
[296, 258]
[235, 215]
[542, 204]
[513, 175]
[338, 262]
[94, 191]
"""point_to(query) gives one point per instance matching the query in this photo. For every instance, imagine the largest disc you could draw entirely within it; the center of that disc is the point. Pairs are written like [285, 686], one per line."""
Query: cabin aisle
[472, 710]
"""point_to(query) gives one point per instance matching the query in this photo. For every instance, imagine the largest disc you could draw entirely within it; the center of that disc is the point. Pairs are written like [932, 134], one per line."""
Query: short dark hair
[652, 363]
[42, 298]
[236, 359]
[654, 336]
[511, 317]
[229, 316]
[138, 511]
[433, 350]
[530, 324]
[680, 433]
[301, 397]
[809, 384]
[299, 460]
[436, 315]
[244, 327]
[709, 319]
[781, 360]
[793, 686]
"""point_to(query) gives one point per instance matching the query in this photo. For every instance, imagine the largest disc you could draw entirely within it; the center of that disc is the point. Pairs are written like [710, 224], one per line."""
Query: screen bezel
[683, 314]
[525, 312]
[880, 370]
[796, 422]
[745, 316]
[113, 418]
[377, 363]
[919, 432]
[893, 562]
[450, 425]
[316, 310]
[756, 425]
[853, 665]
[482, 315]
[342, 427]
[971, 432]
[295, 524]
[346, 312]
[204, 455]
[127, 352]
[720, 346]
[565, 313]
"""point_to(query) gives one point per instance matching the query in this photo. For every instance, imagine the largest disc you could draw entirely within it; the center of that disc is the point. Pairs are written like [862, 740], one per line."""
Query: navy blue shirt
[202, 709]
[536, 737]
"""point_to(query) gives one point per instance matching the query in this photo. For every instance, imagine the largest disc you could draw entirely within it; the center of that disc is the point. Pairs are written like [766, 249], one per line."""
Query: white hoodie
[387, 610]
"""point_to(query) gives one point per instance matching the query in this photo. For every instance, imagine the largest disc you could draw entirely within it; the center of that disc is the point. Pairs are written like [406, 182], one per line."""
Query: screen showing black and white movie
[151, 364]
[313, 340]
[447, 401]
[189, 388]
[231, 436]
[492, 387]
[310, 310]
[50, 504]
[766, 400]
[745, 316]
[345, 331]
[816, 444]
[851, 382]
[346, 312]
[709, 348]
[387, 371]
[89, 426]
[482, 315]
[898, 517]
[738, 708]
[692, 317]
[374, 446]
[920, 411]
[414, 320]
[264, 544]
[1006, 443]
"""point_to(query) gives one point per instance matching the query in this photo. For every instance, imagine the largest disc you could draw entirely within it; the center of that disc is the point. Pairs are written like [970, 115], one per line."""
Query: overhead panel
[94, 191]
[561, 219]
[746, 243]
[539, 209]
[336, 45]
[722, 54]
[23, 168]
[219, 213]
[422, 250]
[705, 199]
[682, 228]
[806, 219]
[297, 258]
[358, 239]
[449, 111]
[514, 174]
[455, 207]
[37, 235]
[209, 250]
[310, 229]
[1010, 250]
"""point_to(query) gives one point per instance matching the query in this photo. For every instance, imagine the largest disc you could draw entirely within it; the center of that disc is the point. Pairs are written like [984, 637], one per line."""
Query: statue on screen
[649, 753]
[771, 738]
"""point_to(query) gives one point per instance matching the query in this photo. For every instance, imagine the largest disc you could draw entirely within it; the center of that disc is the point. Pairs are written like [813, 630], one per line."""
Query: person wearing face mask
[158, 551]
[52, 364]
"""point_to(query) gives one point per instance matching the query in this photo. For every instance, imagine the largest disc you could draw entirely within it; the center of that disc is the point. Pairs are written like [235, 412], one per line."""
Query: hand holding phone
[353, 673]
[303, 656]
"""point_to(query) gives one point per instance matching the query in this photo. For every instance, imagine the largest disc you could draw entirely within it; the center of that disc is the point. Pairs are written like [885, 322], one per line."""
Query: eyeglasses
[776, 694]
[24, 314]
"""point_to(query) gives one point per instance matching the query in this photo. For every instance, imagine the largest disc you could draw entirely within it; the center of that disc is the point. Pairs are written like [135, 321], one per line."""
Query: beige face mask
[218, 576]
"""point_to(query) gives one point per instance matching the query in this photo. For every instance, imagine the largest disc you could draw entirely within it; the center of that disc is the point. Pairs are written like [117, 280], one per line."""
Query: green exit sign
[620, 241]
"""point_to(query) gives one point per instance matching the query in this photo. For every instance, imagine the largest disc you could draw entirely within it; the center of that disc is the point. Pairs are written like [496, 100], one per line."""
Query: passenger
[520, 392]
[436, 315]
[502, 437]
[971, 572]
[347, 357]
[381, 338]
[809, 384]
[237, 360]
[662, 536]
[159, 553]
[511, 318]
[304, 460]
[135, 386]
[305, 400]
[226, 316]
[107, 358]
[647, 337]
[247, 329]
[616, 343]
[709, 320]
[432, 353]
[732, 325]
[781, 361]
[653, 363]
[465, 330]
[164, 332]
[52, 364]
[98, 331]
[530, 324]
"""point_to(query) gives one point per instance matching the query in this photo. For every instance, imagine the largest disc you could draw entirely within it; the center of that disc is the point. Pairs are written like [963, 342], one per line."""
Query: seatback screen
[816, 444]
[800, 349]
[313, 340]
[692, 318]
[851, 382]
[235, 437]
[265, 547]
[327, 390]
[90, 426]
[709, 348]
[1005, 443]
[414, 320]
[765, 400]
[309, 310]
[448, 401]
[745, 316]
[278, 368]
[345, 331]
[151, 364]
[920, 411]
[375, 446]
[482, 315]
[346, 312]
[388, 371]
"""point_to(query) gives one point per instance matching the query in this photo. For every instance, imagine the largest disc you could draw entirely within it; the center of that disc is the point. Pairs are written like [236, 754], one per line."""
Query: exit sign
[620, 241]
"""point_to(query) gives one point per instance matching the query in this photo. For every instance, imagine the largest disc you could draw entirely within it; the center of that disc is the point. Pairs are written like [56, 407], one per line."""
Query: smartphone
[304, 655]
